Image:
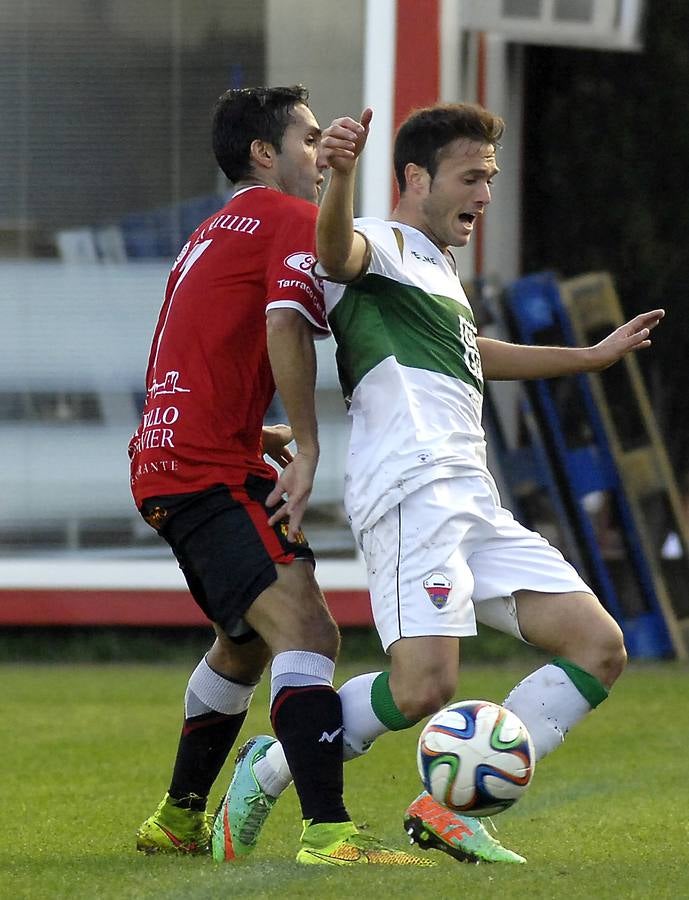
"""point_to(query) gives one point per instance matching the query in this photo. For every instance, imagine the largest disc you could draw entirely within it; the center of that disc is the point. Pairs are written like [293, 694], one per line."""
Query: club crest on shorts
[438, 588]
[299, 537]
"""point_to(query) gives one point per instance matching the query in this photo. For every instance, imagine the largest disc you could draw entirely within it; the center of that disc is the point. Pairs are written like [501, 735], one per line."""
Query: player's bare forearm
[502, 361]
[335, 227]
[341, 251]
[293, 360]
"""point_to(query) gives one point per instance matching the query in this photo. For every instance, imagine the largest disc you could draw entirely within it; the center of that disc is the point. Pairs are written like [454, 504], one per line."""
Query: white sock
[299, 668]
[209, 690]
[361, 728]
[549, 705]
[272, 771]
[361, 725]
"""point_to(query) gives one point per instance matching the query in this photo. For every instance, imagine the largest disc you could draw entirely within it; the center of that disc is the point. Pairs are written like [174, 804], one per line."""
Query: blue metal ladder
[588, 458]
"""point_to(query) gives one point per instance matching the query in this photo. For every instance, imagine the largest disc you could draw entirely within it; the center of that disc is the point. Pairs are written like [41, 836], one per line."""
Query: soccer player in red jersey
[240, 313]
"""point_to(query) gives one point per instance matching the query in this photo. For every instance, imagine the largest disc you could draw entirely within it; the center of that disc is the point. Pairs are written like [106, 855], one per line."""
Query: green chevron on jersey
[379, 317]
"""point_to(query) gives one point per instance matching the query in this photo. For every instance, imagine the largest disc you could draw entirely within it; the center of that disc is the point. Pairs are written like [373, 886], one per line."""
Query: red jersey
[209, 381]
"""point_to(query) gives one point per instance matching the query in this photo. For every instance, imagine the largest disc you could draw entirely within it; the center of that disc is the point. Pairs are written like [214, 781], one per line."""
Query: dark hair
[249, 114]
[424, 135]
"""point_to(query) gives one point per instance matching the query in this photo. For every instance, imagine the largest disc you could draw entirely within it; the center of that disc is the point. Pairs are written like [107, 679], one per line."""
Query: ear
[262, 154]
[417, 179]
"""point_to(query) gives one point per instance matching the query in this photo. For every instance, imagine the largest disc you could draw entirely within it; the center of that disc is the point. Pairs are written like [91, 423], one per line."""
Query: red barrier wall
[86, 607]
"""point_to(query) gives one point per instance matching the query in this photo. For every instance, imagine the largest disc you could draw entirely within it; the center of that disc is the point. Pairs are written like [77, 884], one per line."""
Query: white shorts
[448, 555]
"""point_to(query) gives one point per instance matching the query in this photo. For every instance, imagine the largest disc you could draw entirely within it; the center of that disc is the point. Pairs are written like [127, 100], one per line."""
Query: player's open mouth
[467, 219]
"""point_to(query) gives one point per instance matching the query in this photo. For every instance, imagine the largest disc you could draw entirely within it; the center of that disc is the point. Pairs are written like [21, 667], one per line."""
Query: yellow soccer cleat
[340, 844]
[172, 829]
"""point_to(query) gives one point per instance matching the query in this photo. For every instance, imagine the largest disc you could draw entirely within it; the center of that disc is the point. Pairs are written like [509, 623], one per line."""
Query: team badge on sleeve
[304, 263]
[438, 588]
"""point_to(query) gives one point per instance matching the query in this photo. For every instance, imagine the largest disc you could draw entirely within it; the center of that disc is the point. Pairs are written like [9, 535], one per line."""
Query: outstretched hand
[343, 140]
[632, 336]
[296, 481]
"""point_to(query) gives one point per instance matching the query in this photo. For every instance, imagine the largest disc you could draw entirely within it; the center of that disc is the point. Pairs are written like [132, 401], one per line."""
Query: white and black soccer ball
[476, 757]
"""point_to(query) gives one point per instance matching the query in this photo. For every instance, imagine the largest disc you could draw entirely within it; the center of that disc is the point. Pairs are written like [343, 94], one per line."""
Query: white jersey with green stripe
[410, 370]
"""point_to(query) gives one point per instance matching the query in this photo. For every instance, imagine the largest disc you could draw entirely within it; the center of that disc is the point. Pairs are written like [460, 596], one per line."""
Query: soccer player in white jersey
[441, 551]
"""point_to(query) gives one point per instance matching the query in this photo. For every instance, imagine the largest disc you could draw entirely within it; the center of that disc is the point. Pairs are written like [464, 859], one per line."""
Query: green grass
[87, 751]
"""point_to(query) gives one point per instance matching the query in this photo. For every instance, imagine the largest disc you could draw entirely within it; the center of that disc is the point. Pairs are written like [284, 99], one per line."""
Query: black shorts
[225, 547]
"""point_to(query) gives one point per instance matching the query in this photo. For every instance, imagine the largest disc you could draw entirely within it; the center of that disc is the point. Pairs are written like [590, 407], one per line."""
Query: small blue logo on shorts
[438, 588]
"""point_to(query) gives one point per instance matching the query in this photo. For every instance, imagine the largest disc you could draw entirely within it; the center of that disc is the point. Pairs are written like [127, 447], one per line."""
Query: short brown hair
[244, 115]
[422, 137]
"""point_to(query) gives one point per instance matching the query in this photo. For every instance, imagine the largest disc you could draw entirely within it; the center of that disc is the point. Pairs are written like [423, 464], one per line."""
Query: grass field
[87, 750]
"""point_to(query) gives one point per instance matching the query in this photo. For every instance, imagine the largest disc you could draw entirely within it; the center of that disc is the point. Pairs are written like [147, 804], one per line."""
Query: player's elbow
[332, 261]
[343, 257]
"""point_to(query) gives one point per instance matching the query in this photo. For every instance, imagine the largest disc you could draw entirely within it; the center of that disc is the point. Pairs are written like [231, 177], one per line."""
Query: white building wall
[504, 96]
[320, 45]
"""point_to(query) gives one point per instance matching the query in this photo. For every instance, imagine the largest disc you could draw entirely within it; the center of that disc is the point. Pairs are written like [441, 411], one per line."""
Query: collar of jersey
[249, 187]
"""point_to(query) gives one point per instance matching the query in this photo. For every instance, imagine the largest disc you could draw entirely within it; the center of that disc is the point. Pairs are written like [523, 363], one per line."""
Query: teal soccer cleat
[245, 807]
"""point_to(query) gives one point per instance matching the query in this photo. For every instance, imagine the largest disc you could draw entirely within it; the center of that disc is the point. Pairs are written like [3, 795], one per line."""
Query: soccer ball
[475, 757]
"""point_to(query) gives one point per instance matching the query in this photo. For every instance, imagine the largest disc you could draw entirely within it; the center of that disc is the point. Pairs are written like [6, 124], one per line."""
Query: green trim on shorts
[590, 688]
[384, 706]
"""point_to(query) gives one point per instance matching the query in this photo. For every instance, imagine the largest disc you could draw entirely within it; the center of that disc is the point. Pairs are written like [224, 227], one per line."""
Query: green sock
[384, 706]
[590, 688]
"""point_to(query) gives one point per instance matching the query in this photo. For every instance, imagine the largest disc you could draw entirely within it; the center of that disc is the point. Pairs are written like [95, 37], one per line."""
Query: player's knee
[292, 615]
[328, 636]
[605, 648]
[613, 656]
[601, 652]
[320, 634]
